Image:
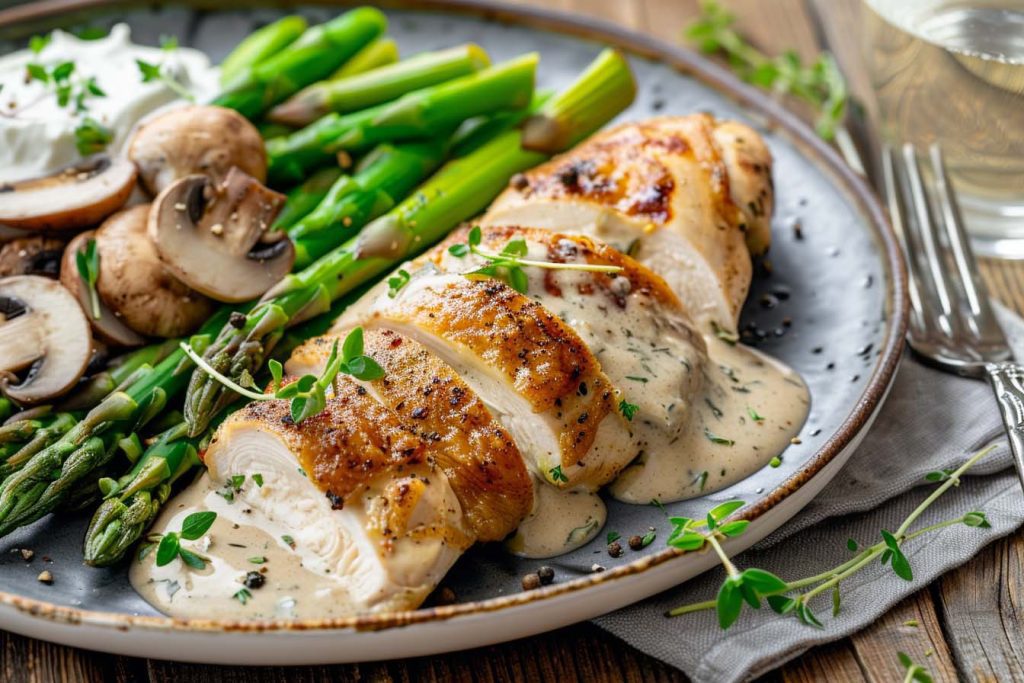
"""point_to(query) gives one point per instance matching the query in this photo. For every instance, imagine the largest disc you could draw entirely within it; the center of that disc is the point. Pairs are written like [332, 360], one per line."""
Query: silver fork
[952, 325]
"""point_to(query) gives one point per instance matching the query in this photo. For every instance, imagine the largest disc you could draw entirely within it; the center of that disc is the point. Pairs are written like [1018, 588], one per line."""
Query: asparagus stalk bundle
[384, 177]
[306, 197]
[379, 85]
[52, 475]
[315, 55]
[460, 190]
[423, 113]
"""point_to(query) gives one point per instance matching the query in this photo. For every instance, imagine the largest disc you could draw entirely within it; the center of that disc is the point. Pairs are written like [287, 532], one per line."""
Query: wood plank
[578, 653]
[831, 662]
[24, 660]
[913, 626]
[981, 607]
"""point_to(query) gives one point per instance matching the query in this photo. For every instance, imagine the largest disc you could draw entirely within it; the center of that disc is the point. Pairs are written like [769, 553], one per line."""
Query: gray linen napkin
[931, 420]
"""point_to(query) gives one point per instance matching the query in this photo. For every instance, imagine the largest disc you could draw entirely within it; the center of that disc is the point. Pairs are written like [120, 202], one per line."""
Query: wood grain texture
[968, 623]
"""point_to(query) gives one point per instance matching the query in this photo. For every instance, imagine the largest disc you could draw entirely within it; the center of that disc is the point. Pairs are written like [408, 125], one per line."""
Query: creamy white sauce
[291, 588]
[37, 135]
[559, 522]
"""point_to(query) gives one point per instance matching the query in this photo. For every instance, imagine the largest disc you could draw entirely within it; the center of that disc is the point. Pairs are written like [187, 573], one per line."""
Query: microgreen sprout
[308, 394]
[794, 597]
[507, 265]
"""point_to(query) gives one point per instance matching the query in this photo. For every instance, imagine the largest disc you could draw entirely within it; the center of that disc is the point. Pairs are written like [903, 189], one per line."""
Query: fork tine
[925, 230]
[981, 321]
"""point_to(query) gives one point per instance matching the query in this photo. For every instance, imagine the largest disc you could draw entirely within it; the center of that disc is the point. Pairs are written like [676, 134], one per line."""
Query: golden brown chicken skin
[479, 457]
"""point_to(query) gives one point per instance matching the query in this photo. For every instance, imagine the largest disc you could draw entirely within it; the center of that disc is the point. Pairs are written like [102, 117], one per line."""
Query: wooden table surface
[970, 621]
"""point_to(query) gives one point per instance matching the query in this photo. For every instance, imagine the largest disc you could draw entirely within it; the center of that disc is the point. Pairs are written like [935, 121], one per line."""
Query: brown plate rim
[632, 42]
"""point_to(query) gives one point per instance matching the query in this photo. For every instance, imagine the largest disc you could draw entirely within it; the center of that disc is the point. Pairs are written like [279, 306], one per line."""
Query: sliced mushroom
[196, 140]
[43, 332]
[107, 327]
[141, 291]
[38, 255]
[217, 240]
[75, 197]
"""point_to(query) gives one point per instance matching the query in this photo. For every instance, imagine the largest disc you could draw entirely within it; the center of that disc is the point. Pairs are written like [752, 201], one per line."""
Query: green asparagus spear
[130, 504]
[380, 52]
[423, 113]
[259, 46]
[291, 157]
[50, 476]
[379, 85]
[38, 433]
[462, 188]
[6, 408]
[118, 372]
[306, 197]
[314, 56]
[384, 178]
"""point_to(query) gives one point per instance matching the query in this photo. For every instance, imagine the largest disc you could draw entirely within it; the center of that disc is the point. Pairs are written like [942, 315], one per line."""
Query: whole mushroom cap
[137, 286]
[198, 139]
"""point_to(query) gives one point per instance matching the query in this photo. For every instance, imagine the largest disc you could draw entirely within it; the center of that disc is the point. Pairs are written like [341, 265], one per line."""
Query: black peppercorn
[615, 549]
[254, 580]
[636, 542]
[546, 575]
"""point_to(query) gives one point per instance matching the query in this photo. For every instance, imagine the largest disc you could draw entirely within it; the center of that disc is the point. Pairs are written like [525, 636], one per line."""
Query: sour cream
[37, 135]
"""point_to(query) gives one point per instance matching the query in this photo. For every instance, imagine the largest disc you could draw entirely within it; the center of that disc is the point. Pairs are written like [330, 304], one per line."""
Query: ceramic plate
[830, 304]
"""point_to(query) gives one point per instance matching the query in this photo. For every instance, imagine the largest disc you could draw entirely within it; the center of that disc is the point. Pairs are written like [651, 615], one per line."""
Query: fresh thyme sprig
[67, 88]
[821, 84]
[915, 672]
[308, 394]
[790, 597]
[87, 262]
[192, 529]
[156, 73]
[508, 264]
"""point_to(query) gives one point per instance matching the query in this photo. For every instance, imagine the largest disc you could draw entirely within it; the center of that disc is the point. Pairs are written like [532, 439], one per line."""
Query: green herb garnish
[397, 281]
[87, 262]
[151, 73]
[258, 478]
[91, 137]
[794, 597]
[38, 43]
[915, 672]
[628, 409]
[242, 595]
[775, 462]
[714, 438]
[557, 475]
[821, 84]
[308, 394]
[754, 415]
[508, 264]
[192, 529]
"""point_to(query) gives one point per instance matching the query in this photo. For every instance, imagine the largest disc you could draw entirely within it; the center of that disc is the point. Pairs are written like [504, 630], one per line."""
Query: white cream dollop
[37, 135]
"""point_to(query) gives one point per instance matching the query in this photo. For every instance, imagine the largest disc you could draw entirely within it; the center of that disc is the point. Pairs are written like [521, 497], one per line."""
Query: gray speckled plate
[841, 287]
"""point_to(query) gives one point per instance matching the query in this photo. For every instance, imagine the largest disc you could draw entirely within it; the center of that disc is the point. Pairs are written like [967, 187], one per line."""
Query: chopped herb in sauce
[754, 415]
[628, 409]
[243, 595]
[557, 475]
[714, 438]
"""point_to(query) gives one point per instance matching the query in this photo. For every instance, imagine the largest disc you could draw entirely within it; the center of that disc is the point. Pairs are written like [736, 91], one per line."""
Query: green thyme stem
[954, 480]
[547, 265]
[730, 568]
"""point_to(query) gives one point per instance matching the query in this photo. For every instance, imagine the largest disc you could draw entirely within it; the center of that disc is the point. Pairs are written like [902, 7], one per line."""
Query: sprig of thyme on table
[821, 84]
[752, 585]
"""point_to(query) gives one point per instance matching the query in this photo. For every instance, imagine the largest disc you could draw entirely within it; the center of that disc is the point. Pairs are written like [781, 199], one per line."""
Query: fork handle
[1007, 381]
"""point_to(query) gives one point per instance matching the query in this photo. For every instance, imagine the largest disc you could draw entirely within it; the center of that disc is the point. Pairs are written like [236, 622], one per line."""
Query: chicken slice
[477, 456]
[355, 488]
[687, 196]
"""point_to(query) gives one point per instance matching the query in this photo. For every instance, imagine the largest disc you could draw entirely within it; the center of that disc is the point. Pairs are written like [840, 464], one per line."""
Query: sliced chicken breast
[687, 196]
[356, 489]
[477, 456]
